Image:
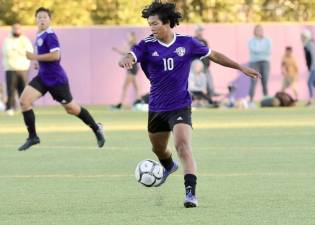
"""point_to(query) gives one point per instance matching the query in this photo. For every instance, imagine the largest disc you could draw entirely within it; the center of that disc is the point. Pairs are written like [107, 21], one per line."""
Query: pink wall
[95, 77]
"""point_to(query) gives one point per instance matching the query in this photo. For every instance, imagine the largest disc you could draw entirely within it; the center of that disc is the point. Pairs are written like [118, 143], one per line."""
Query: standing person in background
[309, 49]
[259, 53]
[131, 73]
[15, 64]
[2, 105]
[289, 71]
[206, 62]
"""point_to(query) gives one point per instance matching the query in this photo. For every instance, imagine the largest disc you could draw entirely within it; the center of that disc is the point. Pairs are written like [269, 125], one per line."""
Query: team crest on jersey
[180, 51]
[40, 42]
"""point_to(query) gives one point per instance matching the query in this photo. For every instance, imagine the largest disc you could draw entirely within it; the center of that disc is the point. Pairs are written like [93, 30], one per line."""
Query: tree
[114, 12]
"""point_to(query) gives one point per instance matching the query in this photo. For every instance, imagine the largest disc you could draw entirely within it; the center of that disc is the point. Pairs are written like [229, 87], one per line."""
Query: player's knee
[70, 110]
[25, 104]
[182, 147]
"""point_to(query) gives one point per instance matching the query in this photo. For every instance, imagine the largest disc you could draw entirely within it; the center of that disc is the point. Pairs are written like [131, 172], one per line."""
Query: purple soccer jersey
[167, 67]
[51, 73]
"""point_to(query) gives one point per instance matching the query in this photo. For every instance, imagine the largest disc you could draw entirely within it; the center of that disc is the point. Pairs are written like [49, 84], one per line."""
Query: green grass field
[254, 167]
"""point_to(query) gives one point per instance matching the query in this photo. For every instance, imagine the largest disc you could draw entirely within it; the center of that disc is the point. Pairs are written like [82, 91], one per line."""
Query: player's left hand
[250, 72]
[31, 56]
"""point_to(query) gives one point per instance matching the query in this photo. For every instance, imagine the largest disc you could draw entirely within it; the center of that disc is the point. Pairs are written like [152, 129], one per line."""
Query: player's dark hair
[165, 11]
[42, 9]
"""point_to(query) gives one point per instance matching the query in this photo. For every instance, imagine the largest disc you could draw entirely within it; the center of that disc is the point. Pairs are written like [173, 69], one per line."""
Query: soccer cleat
[100, 135]
[29, 142]
[190, 200]
[118, 106]
[166, 173]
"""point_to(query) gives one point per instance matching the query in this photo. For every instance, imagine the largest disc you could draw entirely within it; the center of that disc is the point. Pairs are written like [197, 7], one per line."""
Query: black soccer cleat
[100, 135]
[29, 142]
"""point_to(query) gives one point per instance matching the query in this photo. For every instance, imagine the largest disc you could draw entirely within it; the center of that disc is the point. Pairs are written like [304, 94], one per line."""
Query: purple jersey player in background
[165, 58]
[53, 79]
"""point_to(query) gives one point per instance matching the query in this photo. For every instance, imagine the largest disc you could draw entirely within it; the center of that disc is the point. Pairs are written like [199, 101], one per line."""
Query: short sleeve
[52, 42]
[138, 51]
[199, 50]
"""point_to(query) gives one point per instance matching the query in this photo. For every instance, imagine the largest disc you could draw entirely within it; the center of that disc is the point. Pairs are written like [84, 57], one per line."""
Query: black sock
[190, 183]
[86, 117]
[29, 120]
[167, 163]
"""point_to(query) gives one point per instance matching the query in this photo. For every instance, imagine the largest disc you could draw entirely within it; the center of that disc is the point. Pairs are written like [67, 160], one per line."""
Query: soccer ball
[149, 173]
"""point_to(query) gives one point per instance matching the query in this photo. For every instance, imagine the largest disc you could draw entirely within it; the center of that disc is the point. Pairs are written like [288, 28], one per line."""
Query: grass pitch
[254, 167]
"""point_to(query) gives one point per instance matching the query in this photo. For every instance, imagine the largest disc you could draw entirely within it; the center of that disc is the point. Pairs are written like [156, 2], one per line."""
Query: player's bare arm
[127, 61]
[223, 60]
[52, 56]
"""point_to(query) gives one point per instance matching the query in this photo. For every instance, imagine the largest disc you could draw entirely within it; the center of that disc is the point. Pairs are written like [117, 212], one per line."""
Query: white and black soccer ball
[149, 173]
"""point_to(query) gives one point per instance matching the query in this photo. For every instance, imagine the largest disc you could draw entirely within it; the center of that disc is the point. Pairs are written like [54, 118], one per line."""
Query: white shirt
[14, 53]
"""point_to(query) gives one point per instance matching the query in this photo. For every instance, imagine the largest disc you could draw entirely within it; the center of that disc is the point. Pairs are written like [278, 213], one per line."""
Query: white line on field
[66, 128]
[95, 176]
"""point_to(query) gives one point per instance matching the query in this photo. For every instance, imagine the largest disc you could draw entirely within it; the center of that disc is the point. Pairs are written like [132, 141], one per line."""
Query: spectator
[197, 84]
[131, 73]
[309, 49]
[289, 71]
[16, 65]
[206, 62]
[281, 99]
[259, 51]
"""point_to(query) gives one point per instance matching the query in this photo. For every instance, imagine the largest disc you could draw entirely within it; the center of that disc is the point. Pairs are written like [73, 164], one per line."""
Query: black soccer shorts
[165, 121]
[59, 93]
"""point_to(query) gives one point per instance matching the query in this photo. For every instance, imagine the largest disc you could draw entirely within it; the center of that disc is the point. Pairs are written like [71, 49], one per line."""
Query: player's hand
[126, 62]
[250, 72]
[31, 56]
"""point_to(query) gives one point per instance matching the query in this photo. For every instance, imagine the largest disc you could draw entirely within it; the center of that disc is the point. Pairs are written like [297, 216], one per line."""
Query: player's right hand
[126, 62]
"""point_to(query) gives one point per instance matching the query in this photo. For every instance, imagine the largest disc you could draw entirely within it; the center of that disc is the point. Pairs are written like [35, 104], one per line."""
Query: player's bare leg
[182, 139]
[159, 143]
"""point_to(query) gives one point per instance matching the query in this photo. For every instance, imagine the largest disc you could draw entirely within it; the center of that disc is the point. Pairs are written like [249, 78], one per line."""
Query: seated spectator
[237, 96]
[281, 99]
[197, 85]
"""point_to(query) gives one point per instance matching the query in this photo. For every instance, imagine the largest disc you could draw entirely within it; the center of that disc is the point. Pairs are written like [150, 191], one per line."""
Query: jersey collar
[47, 30]
[169, 44]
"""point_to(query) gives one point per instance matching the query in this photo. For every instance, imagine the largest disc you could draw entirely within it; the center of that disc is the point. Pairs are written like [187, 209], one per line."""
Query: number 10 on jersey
[168, 64]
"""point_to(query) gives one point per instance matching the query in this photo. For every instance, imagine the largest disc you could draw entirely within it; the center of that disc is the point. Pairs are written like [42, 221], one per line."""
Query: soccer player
[53, 79]
[165, 58]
